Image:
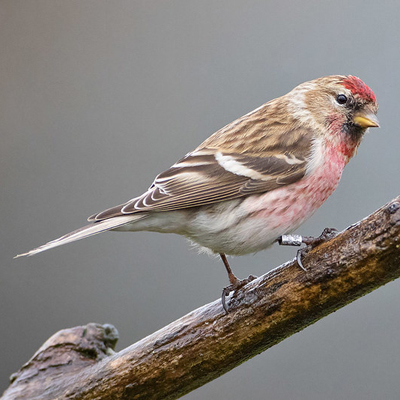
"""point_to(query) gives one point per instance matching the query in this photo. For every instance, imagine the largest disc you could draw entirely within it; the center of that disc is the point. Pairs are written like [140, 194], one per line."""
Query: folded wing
[210, 175]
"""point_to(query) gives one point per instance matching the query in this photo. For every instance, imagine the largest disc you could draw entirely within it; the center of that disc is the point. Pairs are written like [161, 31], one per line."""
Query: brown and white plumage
[236, 192]
[222, 167]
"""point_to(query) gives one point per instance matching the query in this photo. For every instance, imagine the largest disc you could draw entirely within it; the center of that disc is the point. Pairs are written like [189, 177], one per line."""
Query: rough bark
[206, 343]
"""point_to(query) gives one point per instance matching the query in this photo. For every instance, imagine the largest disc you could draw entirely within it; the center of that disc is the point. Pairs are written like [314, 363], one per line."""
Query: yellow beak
[366, 121]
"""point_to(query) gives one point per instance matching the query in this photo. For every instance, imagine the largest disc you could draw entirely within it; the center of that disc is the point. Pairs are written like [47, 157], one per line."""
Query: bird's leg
[235, 282]
[309, 241]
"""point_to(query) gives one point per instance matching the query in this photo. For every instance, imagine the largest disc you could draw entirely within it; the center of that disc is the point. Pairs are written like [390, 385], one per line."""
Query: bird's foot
[309, 241]
[235, 285]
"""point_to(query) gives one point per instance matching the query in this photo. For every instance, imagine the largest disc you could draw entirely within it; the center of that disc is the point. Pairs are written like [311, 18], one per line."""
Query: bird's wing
[210, 175]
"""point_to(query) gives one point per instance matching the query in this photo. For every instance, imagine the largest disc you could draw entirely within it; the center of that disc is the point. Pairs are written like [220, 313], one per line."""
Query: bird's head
[342, 104]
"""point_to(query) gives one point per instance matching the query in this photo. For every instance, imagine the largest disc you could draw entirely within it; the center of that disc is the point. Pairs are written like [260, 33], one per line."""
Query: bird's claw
[327, 233]
[309, 241]
[299, 255]
[233, 288]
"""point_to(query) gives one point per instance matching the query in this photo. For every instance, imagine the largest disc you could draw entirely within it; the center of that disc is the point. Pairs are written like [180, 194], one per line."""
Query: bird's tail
[86, 231]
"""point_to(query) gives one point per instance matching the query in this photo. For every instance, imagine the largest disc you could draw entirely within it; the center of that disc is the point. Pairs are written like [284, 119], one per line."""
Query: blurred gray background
[97, 97]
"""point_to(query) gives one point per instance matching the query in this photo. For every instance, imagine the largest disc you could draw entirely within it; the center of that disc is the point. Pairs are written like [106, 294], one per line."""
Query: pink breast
[286, 208]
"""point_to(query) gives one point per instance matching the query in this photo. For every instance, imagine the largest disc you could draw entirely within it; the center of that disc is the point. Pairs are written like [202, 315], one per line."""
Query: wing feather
[213, 173]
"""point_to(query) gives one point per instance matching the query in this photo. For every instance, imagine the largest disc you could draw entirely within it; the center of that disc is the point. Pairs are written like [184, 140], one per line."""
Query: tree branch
[206, 343]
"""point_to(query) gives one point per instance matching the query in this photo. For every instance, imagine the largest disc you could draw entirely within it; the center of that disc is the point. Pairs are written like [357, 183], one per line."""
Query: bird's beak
[366, 120]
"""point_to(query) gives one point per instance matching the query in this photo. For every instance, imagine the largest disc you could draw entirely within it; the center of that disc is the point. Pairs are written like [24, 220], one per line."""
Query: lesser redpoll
[257, 178]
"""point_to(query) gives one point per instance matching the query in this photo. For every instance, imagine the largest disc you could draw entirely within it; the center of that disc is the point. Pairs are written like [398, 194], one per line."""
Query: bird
[255, 179]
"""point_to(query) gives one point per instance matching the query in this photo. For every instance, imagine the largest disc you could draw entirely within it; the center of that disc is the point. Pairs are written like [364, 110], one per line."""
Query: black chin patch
[353, 130]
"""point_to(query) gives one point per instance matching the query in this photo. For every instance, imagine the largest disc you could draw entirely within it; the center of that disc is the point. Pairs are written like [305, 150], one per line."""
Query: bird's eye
[341, 99]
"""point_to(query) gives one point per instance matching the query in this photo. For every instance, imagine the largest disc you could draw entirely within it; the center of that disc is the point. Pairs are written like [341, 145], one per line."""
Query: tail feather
[84, 232]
